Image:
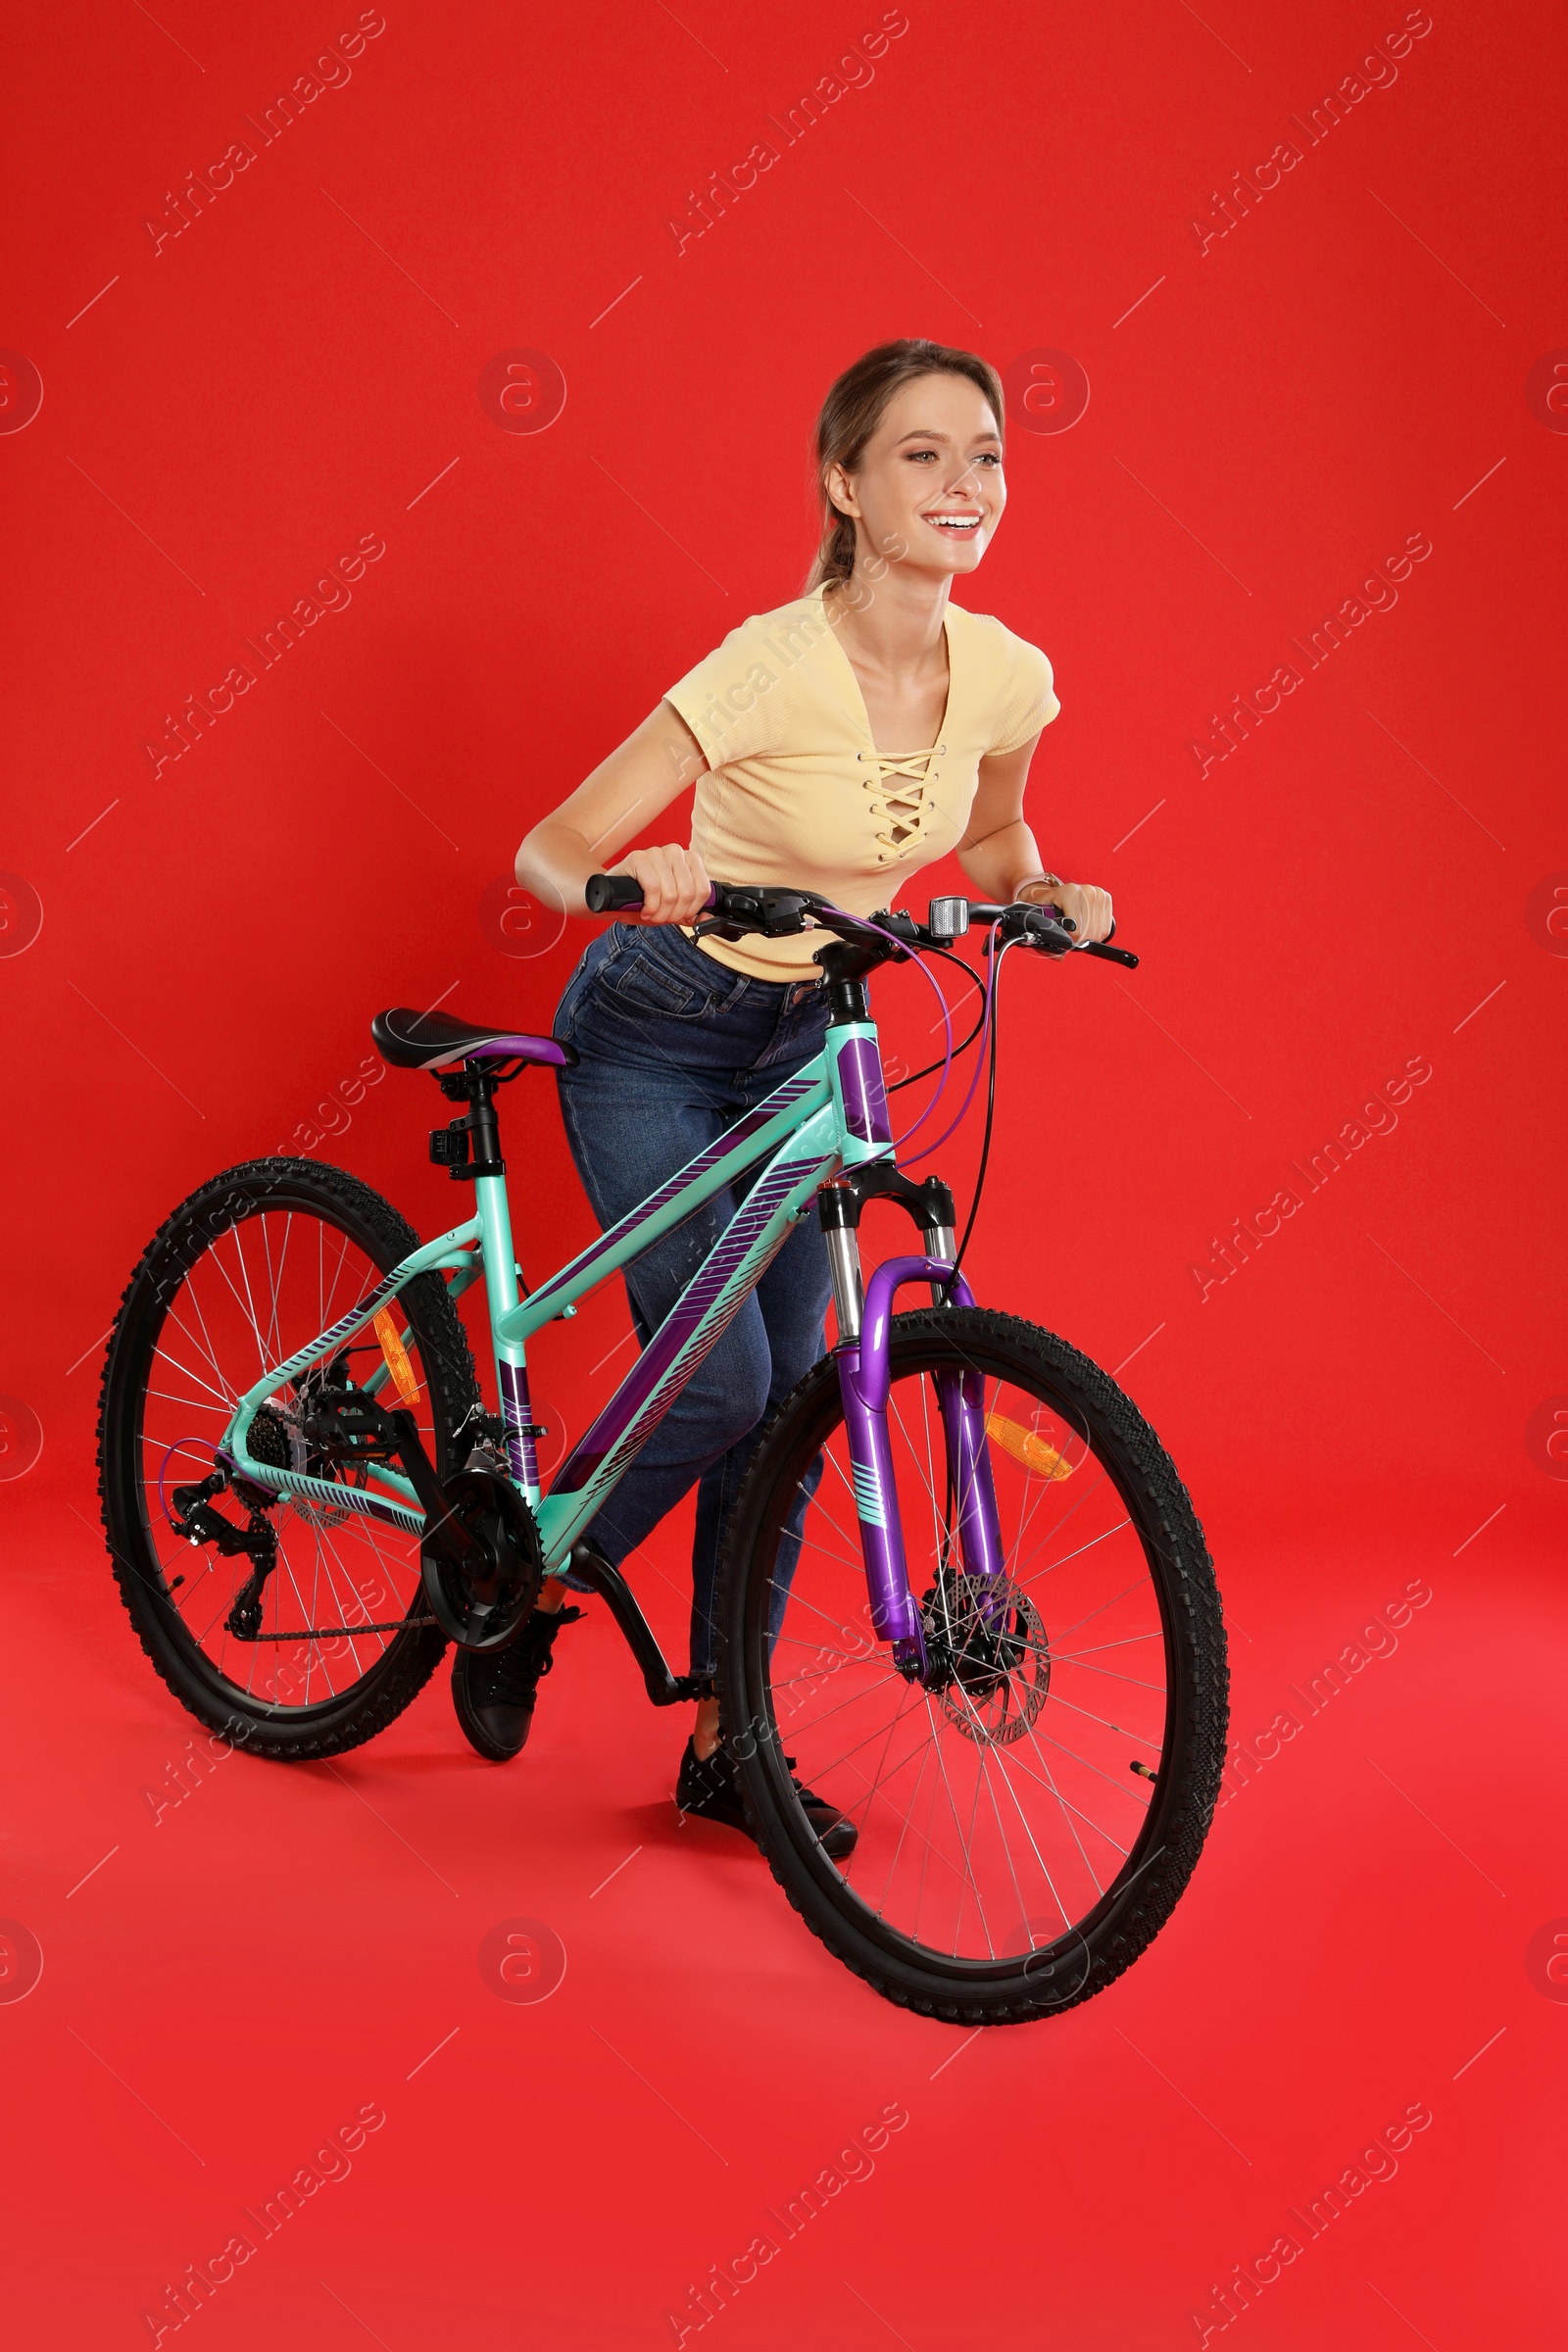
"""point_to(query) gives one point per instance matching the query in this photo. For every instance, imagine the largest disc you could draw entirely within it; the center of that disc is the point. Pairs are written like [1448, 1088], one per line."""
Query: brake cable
[999, 949]
[969, 975]
[987, 1017]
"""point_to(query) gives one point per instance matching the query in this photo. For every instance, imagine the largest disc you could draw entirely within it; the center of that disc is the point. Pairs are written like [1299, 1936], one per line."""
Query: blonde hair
[854, 407]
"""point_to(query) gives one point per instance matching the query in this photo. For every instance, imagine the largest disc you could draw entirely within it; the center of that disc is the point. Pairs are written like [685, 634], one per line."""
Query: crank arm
[442, 1533]
[664, 1688]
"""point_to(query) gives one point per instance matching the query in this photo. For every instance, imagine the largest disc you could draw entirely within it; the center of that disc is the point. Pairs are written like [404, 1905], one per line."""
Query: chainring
[482, 1605]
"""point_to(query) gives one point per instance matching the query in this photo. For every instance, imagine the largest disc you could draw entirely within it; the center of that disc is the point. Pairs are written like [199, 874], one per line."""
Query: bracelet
[1049, 881]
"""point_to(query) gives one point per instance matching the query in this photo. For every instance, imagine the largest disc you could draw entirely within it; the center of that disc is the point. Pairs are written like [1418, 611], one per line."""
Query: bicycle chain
[335, 1632]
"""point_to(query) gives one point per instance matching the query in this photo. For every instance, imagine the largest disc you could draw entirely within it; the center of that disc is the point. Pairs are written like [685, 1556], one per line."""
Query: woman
[838, 745]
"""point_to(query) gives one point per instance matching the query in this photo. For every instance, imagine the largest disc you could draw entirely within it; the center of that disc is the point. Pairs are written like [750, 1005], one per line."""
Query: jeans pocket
[661, 971]
[640, 984]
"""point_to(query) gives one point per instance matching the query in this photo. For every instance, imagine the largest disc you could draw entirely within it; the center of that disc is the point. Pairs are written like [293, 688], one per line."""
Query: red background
[1340, 895]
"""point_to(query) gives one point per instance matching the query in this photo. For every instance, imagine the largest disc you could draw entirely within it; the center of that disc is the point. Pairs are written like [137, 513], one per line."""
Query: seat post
[486, 1127]
[477, 1087]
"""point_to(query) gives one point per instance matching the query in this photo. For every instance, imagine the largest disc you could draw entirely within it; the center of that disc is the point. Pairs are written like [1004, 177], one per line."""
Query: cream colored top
[797, 793]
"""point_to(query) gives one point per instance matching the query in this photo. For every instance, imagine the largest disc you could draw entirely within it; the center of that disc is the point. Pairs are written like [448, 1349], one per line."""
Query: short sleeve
[728, 702]
[1028, 699]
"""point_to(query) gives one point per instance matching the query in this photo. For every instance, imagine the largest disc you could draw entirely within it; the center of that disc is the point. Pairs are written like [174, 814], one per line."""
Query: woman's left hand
[1087, 907]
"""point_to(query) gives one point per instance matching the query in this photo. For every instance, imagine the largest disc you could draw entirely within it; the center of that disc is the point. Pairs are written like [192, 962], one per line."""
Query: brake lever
[1044, 932]
[1033, 926]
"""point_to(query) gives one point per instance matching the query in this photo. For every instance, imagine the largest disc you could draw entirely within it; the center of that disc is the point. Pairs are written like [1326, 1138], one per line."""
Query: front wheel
[1028, 1818]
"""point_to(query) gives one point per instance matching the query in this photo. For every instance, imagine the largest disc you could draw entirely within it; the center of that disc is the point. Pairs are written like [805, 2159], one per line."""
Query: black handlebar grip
[608, 894]
[1122, 955]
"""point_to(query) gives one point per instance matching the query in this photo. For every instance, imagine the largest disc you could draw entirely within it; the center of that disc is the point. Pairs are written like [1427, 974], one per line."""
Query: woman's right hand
[674, 884]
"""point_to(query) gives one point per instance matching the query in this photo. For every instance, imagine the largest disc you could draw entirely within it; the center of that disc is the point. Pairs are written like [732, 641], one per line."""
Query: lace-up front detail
[796, 792]
[897, 782]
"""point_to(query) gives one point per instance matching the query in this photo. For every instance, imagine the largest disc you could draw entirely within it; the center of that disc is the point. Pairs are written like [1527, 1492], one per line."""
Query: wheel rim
[245, 1298]
[1000, 1818]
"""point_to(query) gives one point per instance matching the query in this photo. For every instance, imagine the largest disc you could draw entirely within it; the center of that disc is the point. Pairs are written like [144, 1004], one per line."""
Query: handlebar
[736, 909]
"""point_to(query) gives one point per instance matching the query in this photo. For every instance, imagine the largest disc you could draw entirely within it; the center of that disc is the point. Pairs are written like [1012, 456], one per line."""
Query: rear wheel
[1028, 1821]
[250, 1268]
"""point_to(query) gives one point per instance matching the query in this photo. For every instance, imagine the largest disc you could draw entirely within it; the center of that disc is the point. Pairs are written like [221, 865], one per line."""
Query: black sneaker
[709, 1787]
[493, 1691]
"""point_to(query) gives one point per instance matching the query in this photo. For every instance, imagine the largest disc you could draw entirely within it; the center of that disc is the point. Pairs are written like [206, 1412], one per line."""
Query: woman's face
[928, 492]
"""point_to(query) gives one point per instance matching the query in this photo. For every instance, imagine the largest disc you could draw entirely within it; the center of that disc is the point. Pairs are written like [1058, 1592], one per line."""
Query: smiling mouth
[957, 526]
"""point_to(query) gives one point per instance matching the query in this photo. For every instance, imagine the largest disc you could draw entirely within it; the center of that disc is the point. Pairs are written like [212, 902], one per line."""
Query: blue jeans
[673, 1048]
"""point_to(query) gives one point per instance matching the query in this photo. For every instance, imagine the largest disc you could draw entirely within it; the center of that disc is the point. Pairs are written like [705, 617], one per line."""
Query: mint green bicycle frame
[831, 1115]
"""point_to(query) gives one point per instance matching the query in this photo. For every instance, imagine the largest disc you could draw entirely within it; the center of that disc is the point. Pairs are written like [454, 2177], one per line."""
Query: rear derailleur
[195, 1521]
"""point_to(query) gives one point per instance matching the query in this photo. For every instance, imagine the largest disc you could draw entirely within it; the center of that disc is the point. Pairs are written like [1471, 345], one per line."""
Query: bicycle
[963, 1584]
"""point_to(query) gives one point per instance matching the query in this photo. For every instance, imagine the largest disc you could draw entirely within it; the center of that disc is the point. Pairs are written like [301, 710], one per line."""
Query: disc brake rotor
[992, 1673]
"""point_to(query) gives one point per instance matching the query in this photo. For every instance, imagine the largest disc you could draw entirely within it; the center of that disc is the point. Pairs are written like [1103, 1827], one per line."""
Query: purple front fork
[864, 1379]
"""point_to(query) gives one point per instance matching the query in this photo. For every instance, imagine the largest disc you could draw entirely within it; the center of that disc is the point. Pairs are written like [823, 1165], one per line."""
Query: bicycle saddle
[425, 1041]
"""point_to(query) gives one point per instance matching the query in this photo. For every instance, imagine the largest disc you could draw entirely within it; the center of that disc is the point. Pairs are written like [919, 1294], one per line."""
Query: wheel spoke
[924, 1754]
[219, 1401]
[225, 1391]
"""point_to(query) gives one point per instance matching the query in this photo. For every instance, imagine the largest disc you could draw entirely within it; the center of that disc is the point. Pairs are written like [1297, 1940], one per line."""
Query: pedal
[343, 1422]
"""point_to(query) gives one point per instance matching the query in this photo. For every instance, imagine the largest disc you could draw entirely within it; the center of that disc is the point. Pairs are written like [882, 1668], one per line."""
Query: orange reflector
[395, 1356]
[1033, 1454]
